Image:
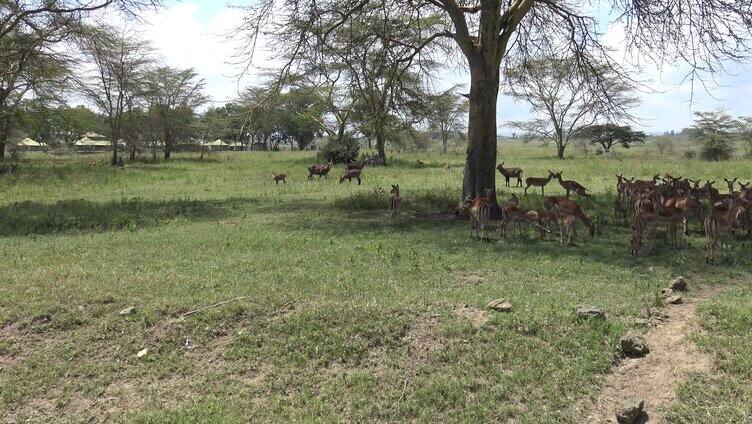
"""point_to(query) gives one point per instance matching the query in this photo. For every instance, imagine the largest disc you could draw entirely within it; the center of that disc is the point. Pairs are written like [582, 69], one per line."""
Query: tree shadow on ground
[28, 218]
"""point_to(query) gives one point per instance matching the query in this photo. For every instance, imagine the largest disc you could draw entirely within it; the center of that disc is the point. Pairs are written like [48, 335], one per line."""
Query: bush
[716, 148]
[690, 154]
[344, 150]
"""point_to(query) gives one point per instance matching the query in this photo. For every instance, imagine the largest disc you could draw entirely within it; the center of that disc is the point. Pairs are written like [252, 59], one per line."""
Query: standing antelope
[279, 177]
[394, 204]
[571, 185]
[350, 174]
[319, 170]
[509, 212]
[480, 214]
[354, 165]
[717, 226]
[538, 182]
[730, 184]
[510, 173]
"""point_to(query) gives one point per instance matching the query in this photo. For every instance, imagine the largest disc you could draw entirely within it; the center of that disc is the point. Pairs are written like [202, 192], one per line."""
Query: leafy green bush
[716, 148]
[690, 154]
[342, 150]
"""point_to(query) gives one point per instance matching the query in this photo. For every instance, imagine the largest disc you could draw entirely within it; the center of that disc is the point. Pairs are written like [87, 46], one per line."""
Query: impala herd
[647, 204]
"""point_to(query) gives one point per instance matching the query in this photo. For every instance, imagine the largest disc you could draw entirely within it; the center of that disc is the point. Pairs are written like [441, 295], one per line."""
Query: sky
[193, 33]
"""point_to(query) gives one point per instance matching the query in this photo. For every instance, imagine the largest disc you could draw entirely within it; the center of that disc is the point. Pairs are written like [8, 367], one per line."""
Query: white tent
[87, 142]
[216, 143]
[27, 142]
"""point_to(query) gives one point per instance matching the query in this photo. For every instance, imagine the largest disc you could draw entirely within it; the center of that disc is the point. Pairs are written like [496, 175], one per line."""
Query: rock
[634, 345]
[587, 312]
[129, 310]
[651, 317]
[631, 411]
[501, 305]
[678, 284]
[666, 292]
[142, 353]
[675, 300]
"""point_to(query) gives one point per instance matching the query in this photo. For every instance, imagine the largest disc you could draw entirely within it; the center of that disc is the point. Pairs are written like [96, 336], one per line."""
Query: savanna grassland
[340, 317]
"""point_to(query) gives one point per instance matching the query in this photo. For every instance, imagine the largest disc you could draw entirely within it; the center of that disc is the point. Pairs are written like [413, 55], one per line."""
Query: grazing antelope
[566, 211]
[730, 184]
[510, 173]
[279, 177]
[535, 218]
[421, 164]
[350, 174]
[480, 214]
[538, 182]
[717, 226]
[394, 204]
[649, 213]
[319, 170]
[571, 185]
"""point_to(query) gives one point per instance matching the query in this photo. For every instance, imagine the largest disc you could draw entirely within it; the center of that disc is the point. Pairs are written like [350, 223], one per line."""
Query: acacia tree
[446, 115]
[173, 96]
[565, 100]
[31, 35]
[610, 135]
[486, 32]
[715, 132]
[116, 79]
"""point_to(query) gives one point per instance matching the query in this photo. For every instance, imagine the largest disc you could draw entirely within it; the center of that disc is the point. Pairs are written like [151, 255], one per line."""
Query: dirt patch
[655, 377]
[476, 316]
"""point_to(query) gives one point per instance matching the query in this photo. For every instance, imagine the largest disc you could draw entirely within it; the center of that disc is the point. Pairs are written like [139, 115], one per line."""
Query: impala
[350, 174]
[480, 214]
[394, 204]
[571, 185]
[538, 182]
[279, 177]
[717, 226]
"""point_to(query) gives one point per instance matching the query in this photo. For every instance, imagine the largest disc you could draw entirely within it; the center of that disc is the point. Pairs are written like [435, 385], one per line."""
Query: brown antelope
[350, 174]
[566, 212]
[354, 165]
[571, 185]
[730, 184]
[279, 177]
[538, 182]
[535, 218]
[745, 192]
[689, 206]
[447, 167]
[509, 212]
[480, 214]
[421, 164]
[649, 213]
[319, 170]
[510, 173]
[717, 226]
[394, 205]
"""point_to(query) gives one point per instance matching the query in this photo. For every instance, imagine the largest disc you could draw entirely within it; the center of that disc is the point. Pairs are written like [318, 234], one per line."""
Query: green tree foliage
[341, 149]
[610, 135]
[714, 132]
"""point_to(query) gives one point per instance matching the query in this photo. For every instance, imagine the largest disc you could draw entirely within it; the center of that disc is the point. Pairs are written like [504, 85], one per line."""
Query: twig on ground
[211, 306]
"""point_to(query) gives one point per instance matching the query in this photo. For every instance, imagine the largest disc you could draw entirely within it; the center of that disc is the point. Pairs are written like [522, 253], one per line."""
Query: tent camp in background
[92, 142]
[30, 145]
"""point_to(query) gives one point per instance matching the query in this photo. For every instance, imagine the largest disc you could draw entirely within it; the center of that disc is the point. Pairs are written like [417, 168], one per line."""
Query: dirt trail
[656, 376]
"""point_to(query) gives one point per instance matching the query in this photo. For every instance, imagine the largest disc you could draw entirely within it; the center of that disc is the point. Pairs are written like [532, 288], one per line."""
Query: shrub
[690, 154]
[342, 150]
[716, 148]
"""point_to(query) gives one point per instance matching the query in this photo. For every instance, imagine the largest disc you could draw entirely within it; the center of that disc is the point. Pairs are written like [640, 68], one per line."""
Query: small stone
[142, 353]
[678, 284]
[675, 300]
[587, 312]
[631, 411]
[129, 310]
[501, 305]
[634, 345]
[666, 292]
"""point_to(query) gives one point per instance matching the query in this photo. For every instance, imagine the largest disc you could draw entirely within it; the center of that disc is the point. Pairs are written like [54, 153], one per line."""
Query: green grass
[344, 319]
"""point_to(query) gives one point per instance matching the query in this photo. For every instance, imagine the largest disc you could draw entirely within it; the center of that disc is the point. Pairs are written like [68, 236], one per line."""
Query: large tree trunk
[560, 149]
[380, 141]
[480, 162]
[4, 135]
[444, 138]
[133, 153]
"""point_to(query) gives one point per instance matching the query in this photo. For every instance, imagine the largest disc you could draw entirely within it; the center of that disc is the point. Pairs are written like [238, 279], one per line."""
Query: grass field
[341, 317]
